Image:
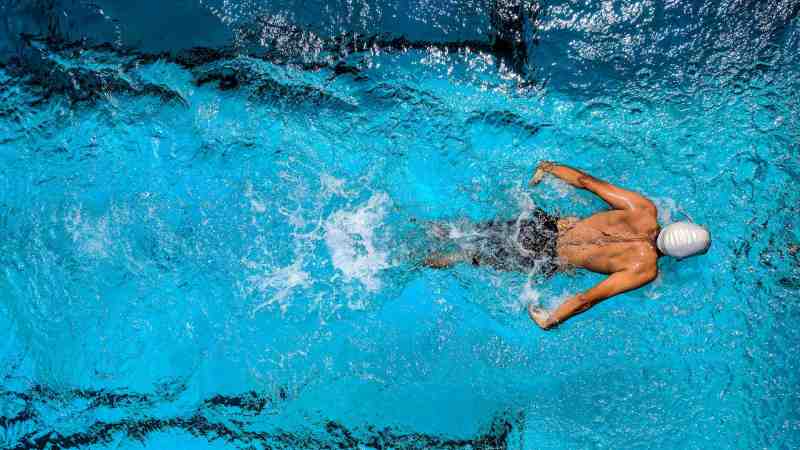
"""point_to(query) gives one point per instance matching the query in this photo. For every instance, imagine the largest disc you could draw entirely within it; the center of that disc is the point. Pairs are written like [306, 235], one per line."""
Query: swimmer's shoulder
[644, 259]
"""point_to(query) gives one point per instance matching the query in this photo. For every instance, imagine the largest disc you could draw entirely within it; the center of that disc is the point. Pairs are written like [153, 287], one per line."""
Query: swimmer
[624, 243]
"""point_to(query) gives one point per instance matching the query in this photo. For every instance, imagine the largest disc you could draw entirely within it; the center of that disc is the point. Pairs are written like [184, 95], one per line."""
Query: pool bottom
[212, 425]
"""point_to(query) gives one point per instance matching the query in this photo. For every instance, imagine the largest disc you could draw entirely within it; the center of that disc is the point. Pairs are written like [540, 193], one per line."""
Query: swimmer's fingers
[541, 169]
[537, 177]
[539, 315]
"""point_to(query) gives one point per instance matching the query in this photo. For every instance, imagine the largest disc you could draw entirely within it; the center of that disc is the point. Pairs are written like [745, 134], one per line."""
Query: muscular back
[620, 243]
[610, 241]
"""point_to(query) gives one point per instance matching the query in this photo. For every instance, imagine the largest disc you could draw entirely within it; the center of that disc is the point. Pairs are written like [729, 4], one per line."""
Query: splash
[257, 204]
[353, 244]
[91, 236]
[334, 186]
[555, 188]
[523, 199]
[528, 295]
[278, 285]
[665, 206]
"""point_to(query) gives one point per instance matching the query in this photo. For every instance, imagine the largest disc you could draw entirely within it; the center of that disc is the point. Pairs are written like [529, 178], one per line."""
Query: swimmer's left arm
[615, 284]
[615, 196]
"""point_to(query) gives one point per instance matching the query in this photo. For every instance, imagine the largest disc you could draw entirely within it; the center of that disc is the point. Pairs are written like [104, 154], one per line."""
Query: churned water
[219, 247]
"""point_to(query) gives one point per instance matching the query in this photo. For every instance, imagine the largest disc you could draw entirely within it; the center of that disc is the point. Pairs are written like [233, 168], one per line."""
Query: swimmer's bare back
[620, 243]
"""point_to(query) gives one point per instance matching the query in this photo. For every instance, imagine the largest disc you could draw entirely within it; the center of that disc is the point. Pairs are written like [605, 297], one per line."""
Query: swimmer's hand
[541, 169]
[540, 316]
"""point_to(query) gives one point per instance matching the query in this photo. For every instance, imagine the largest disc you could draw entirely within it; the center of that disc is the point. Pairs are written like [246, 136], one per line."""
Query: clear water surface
[220, 250]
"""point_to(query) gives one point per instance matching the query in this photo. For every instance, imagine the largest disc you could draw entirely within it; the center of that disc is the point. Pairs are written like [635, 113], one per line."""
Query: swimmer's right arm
[615, 284]
[615, 196]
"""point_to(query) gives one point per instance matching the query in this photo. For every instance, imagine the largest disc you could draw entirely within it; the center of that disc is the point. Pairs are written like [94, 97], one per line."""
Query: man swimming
[625, 243]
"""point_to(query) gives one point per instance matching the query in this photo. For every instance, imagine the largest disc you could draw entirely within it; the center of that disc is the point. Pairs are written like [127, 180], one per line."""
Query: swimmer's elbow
[647, 275]
[584, 180]
[647, 206]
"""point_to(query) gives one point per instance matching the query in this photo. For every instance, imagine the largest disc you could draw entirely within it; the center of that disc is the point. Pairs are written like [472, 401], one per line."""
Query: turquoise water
[223, 252]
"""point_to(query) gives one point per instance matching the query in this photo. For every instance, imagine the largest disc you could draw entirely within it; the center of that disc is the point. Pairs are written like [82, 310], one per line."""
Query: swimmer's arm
[615, 196]
[615, 284]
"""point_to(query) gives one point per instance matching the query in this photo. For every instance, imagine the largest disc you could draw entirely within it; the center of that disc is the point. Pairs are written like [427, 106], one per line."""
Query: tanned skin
[620, 243]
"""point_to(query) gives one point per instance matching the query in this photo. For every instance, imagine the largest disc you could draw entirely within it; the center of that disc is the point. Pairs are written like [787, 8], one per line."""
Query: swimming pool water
[210, 249]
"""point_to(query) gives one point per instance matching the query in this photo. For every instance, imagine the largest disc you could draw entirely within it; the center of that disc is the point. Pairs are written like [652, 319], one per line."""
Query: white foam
[523, 198]
[527, 296]
[257, 205]
[540, 297]
[91, 236]
[333, 186]
[451, 230]
[278, 284]
[353, 245]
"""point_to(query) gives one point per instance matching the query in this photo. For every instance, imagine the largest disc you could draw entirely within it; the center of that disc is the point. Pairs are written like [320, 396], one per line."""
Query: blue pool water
[219, 248]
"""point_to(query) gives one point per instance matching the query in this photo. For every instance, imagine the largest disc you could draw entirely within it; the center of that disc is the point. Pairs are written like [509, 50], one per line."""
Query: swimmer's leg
[443, 261]
[490, 249]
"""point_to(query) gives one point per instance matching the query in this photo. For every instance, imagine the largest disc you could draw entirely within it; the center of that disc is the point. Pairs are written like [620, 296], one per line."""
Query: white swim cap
[682, 239]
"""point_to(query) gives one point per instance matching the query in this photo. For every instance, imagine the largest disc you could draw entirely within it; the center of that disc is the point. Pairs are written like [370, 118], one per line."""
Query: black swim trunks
[518, 245]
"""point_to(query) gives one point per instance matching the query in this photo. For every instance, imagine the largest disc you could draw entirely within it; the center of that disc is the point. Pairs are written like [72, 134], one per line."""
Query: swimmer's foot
[540, 316]
[439, 261]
